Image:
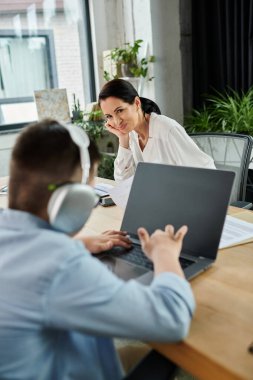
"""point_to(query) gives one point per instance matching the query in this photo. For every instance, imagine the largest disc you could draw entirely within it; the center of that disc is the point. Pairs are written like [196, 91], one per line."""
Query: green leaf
[106, 166]
[129, 55]
[230, 111]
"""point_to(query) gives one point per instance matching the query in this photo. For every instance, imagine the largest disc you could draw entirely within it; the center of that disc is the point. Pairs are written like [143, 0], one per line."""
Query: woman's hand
[163, 248]
[107, 240]
[123, 137]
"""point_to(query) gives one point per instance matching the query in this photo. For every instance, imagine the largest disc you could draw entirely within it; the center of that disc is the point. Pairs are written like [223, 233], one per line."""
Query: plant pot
[77, 115]
[125, 69]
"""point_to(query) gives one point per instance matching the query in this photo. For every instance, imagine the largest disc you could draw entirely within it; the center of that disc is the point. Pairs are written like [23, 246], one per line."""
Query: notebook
[177, 195]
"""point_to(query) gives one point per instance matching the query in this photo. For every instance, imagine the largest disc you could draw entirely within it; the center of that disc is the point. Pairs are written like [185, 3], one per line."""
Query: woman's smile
[122, 126]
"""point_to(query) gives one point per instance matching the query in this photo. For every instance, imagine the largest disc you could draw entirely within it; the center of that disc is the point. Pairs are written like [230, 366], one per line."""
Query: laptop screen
[177, 195]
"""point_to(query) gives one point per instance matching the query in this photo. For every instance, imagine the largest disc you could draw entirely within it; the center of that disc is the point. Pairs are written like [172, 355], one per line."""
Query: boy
[59, 306]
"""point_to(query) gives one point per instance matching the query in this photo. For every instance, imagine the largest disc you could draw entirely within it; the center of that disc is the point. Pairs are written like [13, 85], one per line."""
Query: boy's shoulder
[61, 245]
[33, 239]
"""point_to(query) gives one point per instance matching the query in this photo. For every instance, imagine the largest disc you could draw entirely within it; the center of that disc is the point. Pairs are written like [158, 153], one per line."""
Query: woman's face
[120, 115]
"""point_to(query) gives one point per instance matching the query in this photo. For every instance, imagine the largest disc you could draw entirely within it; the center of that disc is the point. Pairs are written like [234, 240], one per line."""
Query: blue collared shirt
[60, 307]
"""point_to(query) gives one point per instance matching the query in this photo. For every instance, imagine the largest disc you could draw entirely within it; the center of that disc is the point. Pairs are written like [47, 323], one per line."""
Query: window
[44, 44]
[26, 64]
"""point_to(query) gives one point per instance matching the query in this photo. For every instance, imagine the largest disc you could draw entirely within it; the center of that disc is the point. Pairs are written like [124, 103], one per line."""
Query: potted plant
[128, 63]
[228, 112]
[77, 113]
[93, 123]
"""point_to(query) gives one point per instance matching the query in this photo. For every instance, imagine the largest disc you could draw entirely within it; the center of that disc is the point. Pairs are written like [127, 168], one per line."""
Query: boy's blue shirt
[60, 306]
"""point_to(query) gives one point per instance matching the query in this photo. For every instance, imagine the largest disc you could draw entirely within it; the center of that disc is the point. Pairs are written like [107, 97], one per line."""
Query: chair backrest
[230, 152]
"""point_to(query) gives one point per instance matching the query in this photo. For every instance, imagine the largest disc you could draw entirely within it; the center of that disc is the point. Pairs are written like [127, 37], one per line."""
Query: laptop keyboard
[136, 256]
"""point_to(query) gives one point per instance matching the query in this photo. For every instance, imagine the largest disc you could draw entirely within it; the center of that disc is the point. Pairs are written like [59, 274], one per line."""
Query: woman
[144, 134]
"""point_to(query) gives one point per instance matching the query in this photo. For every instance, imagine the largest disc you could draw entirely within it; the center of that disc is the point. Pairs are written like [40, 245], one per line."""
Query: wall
[137, 24]
[157, 23]
[166, 47]
[107, 32]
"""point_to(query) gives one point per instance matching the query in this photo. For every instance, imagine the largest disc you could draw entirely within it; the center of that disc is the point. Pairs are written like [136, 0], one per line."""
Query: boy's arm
[86, 296]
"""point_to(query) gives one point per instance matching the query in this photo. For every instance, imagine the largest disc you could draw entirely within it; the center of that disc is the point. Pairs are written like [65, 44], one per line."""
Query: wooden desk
[222, 328]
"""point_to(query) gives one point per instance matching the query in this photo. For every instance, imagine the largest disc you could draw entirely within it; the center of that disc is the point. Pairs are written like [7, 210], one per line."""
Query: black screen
[164, 194]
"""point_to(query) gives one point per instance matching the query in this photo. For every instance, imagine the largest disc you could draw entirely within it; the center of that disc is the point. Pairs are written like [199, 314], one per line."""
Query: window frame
[50, 51]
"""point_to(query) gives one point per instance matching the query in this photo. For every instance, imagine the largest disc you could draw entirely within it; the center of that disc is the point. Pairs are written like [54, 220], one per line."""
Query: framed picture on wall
[53, 104]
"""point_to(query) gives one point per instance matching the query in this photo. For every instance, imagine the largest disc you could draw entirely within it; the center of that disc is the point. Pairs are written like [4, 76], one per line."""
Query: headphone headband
[81, 139]
[71, 204]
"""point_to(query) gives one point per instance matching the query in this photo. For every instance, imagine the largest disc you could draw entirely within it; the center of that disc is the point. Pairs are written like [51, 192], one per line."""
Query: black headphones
[70, 205]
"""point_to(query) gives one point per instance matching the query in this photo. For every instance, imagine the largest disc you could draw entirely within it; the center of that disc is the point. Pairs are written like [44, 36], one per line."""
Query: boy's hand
[107, 240]
[163, 248]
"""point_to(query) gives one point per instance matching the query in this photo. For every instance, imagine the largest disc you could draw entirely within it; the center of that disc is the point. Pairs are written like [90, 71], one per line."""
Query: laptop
[177, 195]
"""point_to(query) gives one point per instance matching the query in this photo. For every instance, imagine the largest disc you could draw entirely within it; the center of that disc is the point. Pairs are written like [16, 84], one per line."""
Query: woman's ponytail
[149, 106]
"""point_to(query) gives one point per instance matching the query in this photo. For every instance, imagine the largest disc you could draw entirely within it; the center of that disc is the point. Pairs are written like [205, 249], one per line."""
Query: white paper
[120, 192]
[103, 189]
[235, 231]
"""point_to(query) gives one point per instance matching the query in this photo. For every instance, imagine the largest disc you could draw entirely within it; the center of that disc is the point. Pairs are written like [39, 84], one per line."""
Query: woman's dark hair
[124, 90]
[149, 106]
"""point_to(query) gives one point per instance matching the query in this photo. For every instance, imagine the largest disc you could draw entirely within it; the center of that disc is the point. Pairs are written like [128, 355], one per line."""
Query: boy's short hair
[44, 154]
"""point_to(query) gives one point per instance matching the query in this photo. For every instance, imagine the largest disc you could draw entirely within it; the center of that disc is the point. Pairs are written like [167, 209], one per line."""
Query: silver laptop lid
[177, 195]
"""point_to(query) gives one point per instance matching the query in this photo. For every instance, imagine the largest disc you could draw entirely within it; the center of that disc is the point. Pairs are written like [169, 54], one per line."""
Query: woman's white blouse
[168, 143]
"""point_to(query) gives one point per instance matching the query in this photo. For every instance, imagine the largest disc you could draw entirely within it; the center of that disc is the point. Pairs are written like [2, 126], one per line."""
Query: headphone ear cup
[70, 206]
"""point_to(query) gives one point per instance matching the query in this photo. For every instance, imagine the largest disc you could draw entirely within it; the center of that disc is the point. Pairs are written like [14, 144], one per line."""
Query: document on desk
[235, 231]
[120, 192]
[102, 189]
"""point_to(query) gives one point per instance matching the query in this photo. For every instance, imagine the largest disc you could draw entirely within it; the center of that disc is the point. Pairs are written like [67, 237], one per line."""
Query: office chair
[230, 152]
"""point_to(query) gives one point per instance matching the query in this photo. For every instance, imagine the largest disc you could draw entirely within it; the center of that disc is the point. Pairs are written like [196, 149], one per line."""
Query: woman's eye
[120, 110]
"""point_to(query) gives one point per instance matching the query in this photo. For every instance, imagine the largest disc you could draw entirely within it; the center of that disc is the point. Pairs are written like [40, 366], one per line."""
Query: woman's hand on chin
[114, 130]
